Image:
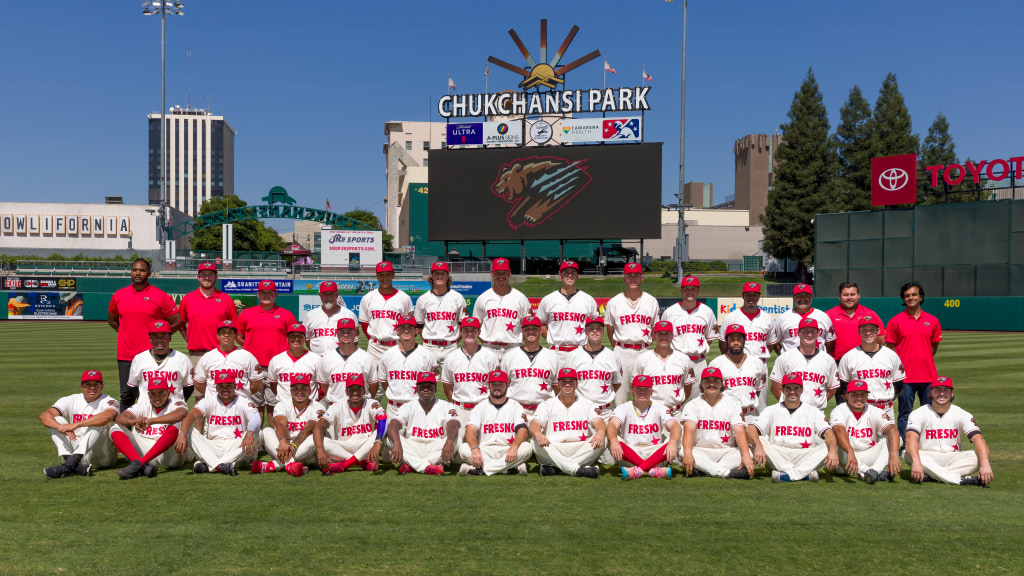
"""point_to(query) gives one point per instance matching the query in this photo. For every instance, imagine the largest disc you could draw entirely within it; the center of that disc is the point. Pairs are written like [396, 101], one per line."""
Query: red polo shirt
[847, 328]
[913, 338]
[265, 331]
[136, 310]
[201, 315]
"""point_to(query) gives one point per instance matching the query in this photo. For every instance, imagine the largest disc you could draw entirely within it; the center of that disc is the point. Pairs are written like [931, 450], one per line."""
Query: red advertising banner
[894, 180]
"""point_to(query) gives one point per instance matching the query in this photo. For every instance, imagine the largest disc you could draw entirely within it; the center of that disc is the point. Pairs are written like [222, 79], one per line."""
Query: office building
[200, 158]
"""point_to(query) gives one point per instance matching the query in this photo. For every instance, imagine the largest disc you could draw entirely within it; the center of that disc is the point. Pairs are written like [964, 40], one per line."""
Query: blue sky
[309, 86]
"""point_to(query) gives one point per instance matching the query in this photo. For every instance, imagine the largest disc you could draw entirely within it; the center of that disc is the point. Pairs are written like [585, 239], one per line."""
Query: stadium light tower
[682, 251]
[163, 8]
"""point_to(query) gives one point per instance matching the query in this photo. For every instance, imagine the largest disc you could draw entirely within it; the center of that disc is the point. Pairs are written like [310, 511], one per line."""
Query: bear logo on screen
[538, 187]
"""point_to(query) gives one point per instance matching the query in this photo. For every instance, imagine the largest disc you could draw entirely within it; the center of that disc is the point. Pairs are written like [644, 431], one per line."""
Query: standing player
[161, 361]
[321, 324]
[500, 310]
[423, 434]
[819, 376]
[289, 440]
[565, 311]
[531, 368]
[745, 377]
[231, 433]
[714, 435]
[671, 370]
[295, 362]
[783, 336]
[915, 335]
[879, 366]
[464, 374]
[869, 443]
[642, 424]
[149, 428]
[228, 358]
[439, 312]
[496, 435]
[568, 434]
[339, 367]
[694, 325]
[380, 310]
[356, 426]
[630, 316]
[202, 311]
[756, 324]
[933, 441]
[400, 366]
[78, 427]
[263, 330]
[131, 313]
[597, 369]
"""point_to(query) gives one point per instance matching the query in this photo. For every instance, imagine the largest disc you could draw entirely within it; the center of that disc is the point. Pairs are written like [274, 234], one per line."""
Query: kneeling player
[78, 426]
[231, 435]
[568, 432]
[642, 423]
[290, 441]
[933, 441]
[496, 433]
[869, 442]
[424, 431]
[150, 428]
[714, 434]
[356, 429]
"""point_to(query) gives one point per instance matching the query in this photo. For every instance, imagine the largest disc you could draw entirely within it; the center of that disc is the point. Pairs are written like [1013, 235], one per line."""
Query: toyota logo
[893, 179]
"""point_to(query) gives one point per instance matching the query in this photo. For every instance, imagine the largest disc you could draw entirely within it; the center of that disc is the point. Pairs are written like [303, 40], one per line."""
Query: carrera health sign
[337, 247]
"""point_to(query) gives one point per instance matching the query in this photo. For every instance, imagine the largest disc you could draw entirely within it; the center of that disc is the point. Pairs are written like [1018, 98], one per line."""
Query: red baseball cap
[808, 323]
[711, 372]
[501, 264]
[355, 380]
[439, 266]
[663, 326]
[690, 281]
[160, 327]
[632, 268]
[347, 324]
[869, 320]
[802, 288]
[569, 264]
[405, 321]
[427, 377]
[297, 327]
[793, 378]
[567, 373]
[385, 267]
[267, 285]
[207, 266]
[328, 286]
[225, 378]
[302, 378]
[735, 329]
[595, 320]
[944, 381]
[532, 320]
[643, 381]
[92, 375]
[497, 376]
[470, 322]
[857, 386]
[159, 384]
[752, 287]
[229, 324]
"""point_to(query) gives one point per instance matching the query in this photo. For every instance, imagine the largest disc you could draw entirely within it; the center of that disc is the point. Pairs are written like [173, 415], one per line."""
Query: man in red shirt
[263, 330]
[202, 312]
[915, 335]
[846, 323]
[132, 310]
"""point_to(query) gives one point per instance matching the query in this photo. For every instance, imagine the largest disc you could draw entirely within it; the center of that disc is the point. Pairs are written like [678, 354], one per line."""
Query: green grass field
[356, 523]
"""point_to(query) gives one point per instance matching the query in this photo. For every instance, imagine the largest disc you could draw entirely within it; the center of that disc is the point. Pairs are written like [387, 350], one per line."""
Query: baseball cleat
[521, 469]
[256, 468]
[970, 481]
[200, 468]
[813, 476]
[870, 476]
[660, 472]
[632, 472]
[149, 470]
[434, 470]
[464, 470]
[739, 473]
[372, 466]
[227, 469]
[83, 469]
[130, 471]
[405, 469]
[588, 472]
[884, 476]
[296, 469]
[55, 472]
[780, 476]
[548, 470]
[334, 468]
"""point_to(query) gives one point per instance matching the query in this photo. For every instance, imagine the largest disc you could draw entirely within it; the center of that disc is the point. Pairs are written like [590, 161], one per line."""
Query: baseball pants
[392, 408]
[717, 462]
[561, 355]
[265, 397]
[305, 453]
[440, 352]
[499, 350]
[635, 455]
[948, 467]
[215, 452]
[344, 449]
[875, 458]
[419, 454]
[494, 457]
[142, 445]
[568, 456]
[698, 367]
[798, 463]
[92, 443]
[376, 350]
[626, 356]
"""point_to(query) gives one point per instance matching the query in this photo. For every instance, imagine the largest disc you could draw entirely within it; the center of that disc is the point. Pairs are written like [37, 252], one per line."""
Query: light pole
[163, 8]
[682, 254]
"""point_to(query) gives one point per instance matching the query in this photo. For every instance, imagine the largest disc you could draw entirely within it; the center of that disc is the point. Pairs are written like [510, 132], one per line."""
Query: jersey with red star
[421, 426]
[864, 430]
[820, 374]
[143, 409]
[176, 368]
[400, 371]
[597, 374]
[670, 375]
[334, 371]
[530, 381]
[346, 424]
[561, 423]
[941, 433]
[284, 367]
[757, 328]
[742, 383]
[440, 315]
[694, 329]
[381, 313]
[803, 428]
[227, 421]
[714, 423]
[785, 329]
[322, 330]
[501, 317]
[468, 374]
[632, 324]
[880, 370]
[239, 362]
[296, 418]
[638, 428]
[496, 425]
[566, 317]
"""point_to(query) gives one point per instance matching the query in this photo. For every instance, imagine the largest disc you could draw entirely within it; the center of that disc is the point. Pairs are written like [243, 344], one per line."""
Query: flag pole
[604, 83]
[643, 77]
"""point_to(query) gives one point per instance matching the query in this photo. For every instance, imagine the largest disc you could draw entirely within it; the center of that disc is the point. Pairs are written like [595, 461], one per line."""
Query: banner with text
[338, 246]
[602, 130]
[44, 305]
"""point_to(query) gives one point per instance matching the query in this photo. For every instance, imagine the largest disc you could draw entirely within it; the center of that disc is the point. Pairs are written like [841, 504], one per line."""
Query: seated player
[228, 357]
[568, 433]
[787, 436]
[356, 428]
[423, 432]
[149, 428]
[161, 361]
[868, 439]
[290, 441]
[714, 433]
[933, 441]
[231, 434]
[78, 427]
[496, 432]
[670, 369]
[642, 424]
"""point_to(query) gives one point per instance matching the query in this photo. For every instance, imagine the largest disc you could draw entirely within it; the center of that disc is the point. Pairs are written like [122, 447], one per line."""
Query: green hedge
[715, 266]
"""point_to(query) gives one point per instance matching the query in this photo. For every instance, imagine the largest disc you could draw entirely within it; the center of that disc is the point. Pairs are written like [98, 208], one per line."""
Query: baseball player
[380, 310]
[671, 370]
[263, 330]
[439, 312]
[531, 368]
[289, 442]
[694, 325]
[464, 374]
[202, 311]
[149, 428]
[642, 424]
[629, 317]
[423, 433]
[500, 310]
[597, 368]
[568, 434]
[783, 336]
[340, 366]
[356, 425]
[231, 434]
[934, 438]
[400, 366]
[788, 436]
[161, 361]
[879, 366]
[756, 323]
[565, 311]
[290, 364]
[818, 371]
[745, 376]
[321, 324]
[869, 443]
[226, 358]
[78, 427]
[714, 433]
[915, 336]
[496, 434]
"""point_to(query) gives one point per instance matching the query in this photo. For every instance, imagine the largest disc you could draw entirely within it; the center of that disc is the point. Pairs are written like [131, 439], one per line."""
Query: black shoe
[130, 471]
[548, 470]
[83, 469]
[200, 468]
[884, 476]
[871, 476]
[227, 469]
[149, 471]
[970, 481]
[588, 472]
[56, 472]
[739, 473]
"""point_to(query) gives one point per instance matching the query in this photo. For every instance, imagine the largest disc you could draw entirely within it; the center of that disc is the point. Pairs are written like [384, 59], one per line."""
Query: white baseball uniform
[744, 383]
[92, 443]
[643, 432]
[352, 433]
[239, 362]
[296, 421]
[501, 319]
[879, 369]
[670, 376]
[284, 367]
[322, 330]
[399, 372]
[694, 331]
[786, 329]
[423, 434]
[220, 442]
[793, 442]
[496, 428]
[143, 441]
[819, 372]
[468, 377]
[569, 429]
[631, 324]
[531, 376]
[176, 368]
[939, 442]
[381, 314]
[867, 436]
[440, 317]
[566, 317]
[334, 370]
[715, 449]
[598, 373]
[757, 328]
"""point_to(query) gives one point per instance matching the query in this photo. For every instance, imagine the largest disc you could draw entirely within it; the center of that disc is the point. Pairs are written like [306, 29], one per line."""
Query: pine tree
[938, 148]
[854, 153]
[890, 124]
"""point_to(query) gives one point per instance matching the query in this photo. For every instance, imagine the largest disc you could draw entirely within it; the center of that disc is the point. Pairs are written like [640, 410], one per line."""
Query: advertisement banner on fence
[247, 286]
[309, 303]
[40, 283]
[535, 302]
[771, 306]
[337, 247]
[44, 305]
[352, 287]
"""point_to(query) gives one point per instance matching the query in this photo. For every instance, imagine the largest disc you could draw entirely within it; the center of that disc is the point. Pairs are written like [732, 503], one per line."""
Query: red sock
[351, 460]
[124, 445]
[655, 459]
[165, 441]
[630, 456]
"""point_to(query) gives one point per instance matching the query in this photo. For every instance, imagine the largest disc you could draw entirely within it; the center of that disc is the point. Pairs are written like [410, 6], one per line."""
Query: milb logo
[894, 180]
[538, 187]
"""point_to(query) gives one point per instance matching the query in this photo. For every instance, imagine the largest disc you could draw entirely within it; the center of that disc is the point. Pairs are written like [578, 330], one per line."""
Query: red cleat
[334, 468]
[434, 470]
[405, 469]
[296, 469]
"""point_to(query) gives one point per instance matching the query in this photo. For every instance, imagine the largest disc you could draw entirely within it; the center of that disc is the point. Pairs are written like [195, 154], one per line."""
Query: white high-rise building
[200, 158]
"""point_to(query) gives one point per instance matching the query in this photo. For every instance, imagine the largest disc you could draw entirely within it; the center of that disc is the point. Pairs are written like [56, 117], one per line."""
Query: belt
[530, 406]
[697, 358]
[398, 404]
[564, 348]
[633, 346]
[466, 405]
[501, 344]
[384, 342]
[608, 405]
[881, 403]
[441, 343]
[748, 410]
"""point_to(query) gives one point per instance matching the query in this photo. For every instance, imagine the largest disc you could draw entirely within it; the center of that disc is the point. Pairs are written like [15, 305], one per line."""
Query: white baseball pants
[798, 463]
[167, 459]
[440, 352]
[215, 452]
[92, 443]
[305, 453]
[494, 457]
[568, 456]
[419, 454]
[626, 356]
[344, 449]
[948, 467]
[717, 462]
[875, 458]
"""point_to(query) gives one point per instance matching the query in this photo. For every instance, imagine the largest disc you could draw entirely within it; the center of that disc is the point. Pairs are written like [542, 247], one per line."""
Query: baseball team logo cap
[690, 281]
[802, 289]
[159, 384]
[567, 373]
[793, 378]
[944, 381]
[229, 324]
[426, 377]
[808, 323]
[160, 327]
[595, 320]
[857, 386]
[470, 322]
[328, 286]
[405, 321]
[347, 324]
[735, 329]
[207, 266]
[711, 372]
[443, 266]
[225, 378]
[532, 320]
[385, 267]
[302, 379]
[92, 375]
[267, 286]
[497, 376]
[633, 268]
[569, 264]
[869, 320]
[663, 326]
[355, 380]
[501, 264]
[643, 381]
[300, 328]
[752, 287]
